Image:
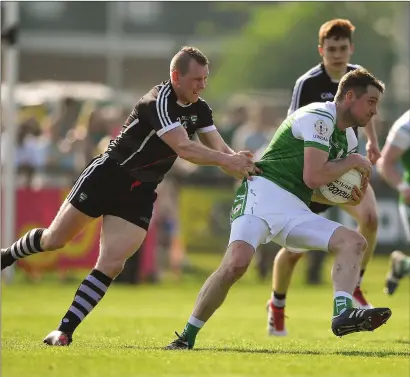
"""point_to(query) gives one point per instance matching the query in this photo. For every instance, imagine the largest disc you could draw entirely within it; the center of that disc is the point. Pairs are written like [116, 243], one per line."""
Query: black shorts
[104, 188]
[318, 207]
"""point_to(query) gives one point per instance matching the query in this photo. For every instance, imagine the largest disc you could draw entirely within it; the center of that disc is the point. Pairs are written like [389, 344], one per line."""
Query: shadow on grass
[381, 353]
[402, 341]
[311, 352]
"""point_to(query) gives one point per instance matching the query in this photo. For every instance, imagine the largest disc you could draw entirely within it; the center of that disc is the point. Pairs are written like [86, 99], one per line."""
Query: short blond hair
[180, 62]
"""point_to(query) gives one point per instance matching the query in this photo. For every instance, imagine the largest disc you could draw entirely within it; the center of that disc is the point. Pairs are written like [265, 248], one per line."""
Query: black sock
[279, 299]
[27, 245]
[88, 295]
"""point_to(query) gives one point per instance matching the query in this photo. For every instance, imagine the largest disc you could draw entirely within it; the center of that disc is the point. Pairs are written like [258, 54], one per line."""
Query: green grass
[125, 335]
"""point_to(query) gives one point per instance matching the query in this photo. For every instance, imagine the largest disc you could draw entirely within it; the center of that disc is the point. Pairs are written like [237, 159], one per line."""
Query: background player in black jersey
[120, 184]
[320, 84]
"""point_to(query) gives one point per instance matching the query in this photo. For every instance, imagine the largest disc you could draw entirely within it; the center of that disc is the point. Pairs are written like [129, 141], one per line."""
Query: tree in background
[279, 43]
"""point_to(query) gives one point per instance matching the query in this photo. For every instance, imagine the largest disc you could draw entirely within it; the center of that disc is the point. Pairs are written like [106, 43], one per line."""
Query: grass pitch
[126, 334]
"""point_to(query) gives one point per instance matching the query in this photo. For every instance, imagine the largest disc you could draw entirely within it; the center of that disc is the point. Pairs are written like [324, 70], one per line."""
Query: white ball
[340, 190]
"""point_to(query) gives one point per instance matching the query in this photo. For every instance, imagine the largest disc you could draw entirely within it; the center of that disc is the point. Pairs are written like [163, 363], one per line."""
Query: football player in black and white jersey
[320, 84]
[120, 184]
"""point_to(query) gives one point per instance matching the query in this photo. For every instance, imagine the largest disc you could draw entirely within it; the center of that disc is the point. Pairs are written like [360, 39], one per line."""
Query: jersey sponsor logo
[186, 120]
[323, 138]
[335, 147]
[327, 96]
[322, 130]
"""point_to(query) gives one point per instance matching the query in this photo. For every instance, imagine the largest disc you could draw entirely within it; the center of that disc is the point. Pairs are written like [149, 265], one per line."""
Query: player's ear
[175, 77]
[349, 95]
[320, 50]
[351, 48]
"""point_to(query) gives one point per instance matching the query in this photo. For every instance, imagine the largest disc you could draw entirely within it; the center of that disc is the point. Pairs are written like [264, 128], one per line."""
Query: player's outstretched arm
[388, 169]
[387, 165]
[239, 165]
[372, 145]
[213, 140]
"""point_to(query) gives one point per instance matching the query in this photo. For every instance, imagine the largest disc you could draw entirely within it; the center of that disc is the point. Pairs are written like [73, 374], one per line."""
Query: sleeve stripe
[321, 114]
[316, 145]
[161, 105]
[206, 129]
[166, 106]
[325, 113]
[297, 90]
[168, 128]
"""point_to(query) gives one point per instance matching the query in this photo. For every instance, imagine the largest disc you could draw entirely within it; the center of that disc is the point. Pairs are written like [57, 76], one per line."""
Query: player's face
[336, 53]
[193, 82]
[363, 108]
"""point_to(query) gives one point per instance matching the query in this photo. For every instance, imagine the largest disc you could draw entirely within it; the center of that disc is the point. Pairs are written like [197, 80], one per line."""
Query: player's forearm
[201, 155]
[330, 171]
[224, 148]
[390, 173]
[228, 150]
[370, 131]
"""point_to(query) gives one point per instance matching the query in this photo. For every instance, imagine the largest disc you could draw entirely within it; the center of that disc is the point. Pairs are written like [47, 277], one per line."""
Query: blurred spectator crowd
[61, 126]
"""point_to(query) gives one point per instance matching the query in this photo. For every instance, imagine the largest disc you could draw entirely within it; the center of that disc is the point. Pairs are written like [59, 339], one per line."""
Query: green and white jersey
[399, 136]
[313, 125]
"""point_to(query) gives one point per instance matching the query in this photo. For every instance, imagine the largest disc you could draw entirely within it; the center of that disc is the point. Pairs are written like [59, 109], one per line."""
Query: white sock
[195, 322]
[278, 302]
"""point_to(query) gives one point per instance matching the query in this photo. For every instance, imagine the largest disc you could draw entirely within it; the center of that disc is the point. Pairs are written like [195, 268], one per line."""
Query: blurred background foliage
[275, 37]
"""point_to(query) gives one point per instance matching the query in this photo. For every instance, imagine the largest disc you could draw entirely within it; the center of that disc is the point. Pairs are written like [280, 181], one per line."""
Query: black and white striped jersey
[315, 86]
[139, 148]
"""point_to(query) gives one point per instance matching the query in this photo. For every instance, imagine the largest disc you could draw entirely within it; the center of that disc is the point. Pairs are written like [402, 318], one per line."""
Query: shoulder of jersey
[352, 67]
[157, 91]
[161, 88]
[321, 109]
[402, 122]
[202, 102]
[313, 72]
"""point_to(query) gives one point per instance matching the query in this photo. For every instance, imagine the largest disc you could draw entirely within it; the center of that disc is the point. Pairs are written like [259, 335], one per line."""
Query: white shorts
[264, 212]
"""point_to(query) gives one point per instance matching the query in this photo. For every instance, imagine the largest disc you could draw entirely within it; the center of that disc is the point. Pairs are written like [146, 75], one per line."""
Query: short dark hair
[180, 62]
[337, 28]
[358, 81]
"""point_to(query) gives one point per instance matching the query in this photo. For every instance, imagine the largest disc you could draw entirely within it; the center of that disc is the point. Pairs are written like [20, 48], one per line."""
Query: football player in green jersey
[273, 206]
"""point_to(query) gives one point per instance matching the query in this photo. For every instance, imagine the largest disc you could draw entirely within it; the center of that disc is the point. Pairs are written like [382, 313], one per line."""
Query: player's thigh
[83, 204]
[68, 222]
[366, 211]
[404, 212]
[250, 229]
[119, 239]
[312, 234]
[317, 209]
